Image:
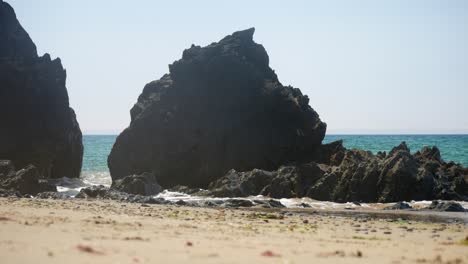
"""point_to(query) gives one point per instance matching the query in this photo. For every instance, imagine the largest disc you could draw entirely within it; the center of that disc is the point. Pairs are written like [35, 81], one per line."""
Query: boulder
[221, 107]
[445, 206]
[143, 184]
[243, 184]
[100, 191]
[26, 181]
[38, 126]
[399, 206]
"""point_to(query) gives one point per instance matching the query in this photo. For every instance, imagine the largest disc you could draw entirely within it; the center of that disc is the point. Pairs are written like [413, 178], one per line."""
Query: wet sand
[80, 231]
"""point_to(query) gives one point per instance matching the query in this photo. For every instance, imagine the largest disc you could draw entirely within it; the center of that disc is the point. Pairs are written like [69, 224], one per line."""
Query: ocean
[452, 147]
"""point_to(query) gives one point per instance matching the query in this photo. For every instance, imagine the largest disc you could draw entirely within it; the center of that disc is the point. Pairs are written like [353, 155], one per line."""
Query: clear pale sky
[368, 66]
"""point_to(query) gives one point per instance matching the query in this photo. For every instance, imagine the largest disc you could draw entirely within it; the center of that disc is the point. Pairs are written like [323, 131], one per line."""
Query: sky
[368, 67]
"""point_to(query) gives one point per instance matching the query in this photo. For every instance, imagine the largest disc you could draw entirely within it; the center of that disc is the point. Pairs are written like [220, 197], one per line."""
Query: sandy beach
[81, 231]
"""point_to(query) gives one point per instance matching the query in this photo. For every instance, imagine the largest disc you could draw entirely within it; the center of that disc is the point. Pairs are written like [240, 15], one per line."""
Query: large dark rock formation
[221, 107]
[337, 174]
[37, 126]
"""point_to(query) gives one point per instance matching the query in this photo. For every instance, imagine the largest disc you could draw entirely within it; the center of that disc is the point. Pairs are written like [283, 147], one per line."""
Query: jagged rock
[293, 181]
[396, 176]
[342, 175]
[38, 127]
[235, 184]
[286, 182]
[399, 206]
[331, 153]
[445, 206]
[25, 181]
[221, 107]
[102, 192]
[143, 184]
[429, 153]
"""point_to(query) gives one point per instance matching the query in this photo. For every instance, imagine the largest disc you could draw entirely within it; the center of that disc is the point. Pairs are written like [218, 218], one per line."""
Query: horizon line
[337, 134]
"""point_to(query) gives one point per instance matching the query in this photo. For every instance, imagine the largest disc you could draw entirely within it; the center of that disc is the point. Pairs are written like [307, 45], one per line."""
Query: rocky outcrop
[221, 107]
[241, 184]
[143, 184]
[342, 175]
[37, 127]
[26, 181]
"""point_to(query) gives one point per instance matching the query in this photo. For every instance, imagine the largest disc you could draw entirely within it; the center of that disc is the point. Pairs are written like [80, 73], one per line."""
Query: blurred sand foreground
[80, 231]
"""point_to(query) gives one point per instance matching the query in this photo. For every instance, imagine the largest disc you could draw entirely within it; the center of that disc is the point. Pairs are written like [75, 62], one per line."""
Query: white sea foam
[69, 186]
[96, 178]
[73, 186]
[292, 202]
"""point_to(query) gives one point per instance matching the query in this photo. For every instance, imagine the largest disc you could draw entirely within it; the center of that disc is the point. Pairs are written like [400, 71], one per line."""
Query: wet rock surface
[221, 107]
[343, 175]
[399, 206]
[446, 206]
[37, 127]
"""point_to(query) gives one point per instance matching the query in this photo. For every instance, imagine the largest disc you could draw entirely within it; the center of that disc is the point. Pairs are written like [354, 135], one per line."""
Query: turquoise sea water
[452, 147]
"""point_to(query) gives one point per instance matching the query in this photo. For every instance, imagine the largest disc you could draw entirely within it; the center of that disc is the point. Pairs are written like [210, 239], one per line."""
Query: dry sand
[79, 231]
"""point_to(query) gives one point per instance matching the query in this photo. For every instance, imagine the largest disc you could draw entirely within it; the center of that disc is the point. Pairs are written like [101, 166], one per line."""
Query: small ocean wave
[72, 187]
[293, 202]
[96, 178]
[69, 186]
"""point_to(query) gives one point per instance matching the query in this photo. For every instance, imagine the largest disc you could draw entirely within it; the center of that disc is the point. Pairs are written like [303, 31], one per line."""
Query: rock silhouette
[37, 127]
[221, 107]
